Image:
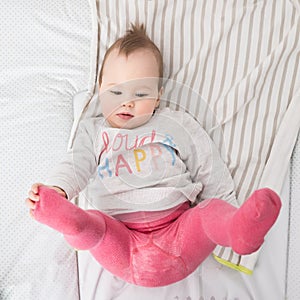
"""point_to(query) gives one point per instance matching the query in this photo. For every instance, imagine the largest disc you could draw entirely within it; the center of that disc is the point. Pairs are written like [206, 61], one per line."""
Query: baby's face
[129, 89]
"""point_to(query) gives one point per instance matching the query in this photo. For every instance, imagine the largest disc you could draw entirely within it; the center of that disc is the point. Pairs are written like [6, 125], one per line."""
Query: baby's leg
[108, 240]
[84, 228]
[163, 256]
[148, 259]
[242, 229]
[194, 235]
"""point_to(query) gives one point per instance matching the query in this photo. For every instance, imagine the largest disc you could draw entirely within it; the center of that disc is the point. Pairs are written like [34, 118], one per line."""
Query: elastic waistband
[170, 215]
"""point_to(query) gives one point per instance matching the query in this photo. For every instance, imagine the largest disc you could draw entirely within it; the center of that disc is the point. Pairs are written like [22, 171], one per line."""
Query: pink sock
[253, 220]
[60, 214]
[242, 229]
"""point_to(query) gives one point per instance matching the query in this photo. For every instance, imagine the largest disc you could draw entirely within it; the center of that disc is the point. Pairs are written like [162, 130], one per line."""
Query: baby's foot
[253, 220]
[56, 211]
[84, 228]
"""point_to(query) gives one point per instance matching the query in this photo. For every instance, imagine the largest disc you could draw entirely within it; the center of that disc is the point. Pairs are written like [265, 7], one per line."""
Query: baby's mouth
[125, 115]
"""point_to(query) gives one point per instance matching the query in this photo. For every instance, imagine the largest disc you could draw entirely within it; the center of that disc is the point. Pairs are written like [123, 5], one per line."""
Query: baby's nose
[128, 104]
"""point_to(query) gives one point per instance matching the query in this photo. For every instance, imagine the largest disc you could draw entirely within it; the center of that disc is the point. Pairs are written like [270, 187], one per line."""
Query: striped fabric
[234, 65]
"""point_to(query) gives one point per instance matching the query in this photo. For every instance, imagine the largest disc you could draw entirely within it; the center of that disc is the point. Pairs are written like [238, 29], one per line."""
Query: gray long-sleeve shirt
[154, 167]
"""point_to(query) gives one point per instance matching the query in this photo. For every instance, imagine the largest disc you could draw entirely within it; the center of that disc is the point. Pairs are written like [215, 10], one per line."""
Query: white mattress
[233, 65]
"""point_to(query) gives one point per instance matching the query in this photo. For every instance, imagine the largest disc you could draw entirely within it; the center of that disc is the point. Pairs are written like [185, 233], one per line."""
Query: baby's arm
[71, 175]
[74, 172]
[207, 167]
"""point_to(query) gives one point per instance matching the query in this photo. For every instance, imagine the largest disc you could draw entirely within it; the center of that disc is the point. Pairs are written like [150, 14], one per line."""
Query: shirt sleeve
[73, 173]
[206, 165]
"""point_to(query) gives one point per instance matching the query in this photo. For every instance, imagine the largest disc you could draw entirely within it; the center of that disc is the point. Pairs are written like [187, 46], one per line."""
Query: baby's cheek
[107, 108]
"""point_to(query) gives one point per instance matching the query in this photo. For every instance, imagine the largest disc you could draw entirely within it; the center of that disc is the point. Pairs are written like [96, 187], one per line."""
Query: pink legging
[165, 251]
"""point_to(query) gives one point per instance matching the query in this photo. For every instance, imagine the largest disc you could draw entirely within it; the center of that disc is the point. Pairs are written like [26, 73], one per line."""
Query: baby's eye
[140, 95]
[115, 92]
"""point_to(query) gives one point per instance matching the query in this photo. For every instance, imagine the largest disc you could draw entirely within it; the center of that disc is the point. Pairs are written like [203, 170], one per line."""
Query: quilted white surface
[45, 59]
[293, 252]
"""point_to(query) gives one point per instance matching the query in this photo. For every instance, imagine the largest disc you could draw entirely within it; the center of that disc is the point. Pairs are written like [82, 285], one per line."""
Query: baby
[154, 177]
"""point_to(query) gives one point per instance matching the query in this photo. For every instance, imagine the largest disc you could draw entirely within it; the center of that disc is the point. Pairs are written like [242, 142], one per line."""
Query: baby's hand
[33, 195]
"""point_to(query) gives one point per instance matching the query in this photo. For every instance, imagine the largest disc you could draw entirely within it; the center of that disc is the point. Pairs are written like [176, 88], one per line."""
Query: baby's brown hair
[135, 38]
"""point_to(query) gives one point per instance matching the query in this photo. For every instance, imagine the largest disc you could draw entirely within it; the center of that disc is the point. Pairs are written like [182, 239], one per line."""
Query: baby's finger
[33, 196]
[31, 213]
[35, 187]
[30, 203]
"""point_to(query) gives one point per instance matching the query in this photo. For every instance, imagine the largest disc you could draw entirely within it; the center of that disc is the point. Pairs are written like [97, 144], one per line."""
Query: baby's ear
[161, 91]
[159, 95]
